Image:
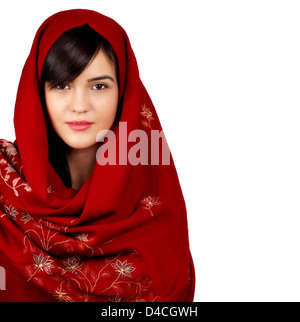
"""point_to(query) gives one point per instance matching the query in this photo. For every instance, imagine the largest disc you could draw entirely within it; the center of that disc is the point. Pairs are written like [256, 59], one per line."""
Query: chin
[80, 144]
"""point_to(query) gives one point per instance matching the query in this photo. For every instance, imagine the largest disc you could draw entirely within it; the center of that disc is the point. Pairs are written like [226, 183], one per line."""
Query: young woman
[74, 228]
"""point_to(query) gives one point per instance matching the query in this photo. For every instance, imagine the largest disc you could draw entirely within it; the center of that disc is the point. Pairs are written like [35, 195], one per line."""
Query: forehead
[100, 65]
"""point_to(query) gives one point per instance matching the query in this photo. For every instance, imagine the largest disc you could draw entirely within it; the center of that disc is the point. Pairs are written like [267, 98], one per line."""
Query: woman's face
[80, 109]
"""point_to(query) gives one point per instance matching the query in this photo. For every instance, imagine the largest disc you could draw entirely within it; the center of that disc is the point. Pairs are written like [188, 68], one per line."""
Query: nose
[79, 102]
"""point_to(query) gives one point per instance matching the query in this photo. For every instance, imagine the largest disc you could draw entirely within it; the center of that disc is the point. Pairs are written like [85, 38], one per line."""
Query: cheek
[54, 109]
[106, 110]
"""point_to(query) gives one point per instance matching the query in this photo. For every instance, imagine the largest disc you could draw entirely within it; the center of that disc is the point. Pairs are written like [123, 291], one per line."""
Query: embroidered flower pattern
[26, 217]
[9, 169]
[46, 232]
[83, 240]
[42, 263]
[61, 296]
[11, 212]
[8, 148]
[148, 115]
[10, 152]
[82, 237]
[72, 265]
[150, 202]
[123, 268]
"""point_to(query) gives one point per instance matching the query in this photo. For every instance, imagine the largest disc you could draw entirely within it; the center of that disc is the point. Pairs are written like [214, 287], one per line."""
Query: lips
[79, 125]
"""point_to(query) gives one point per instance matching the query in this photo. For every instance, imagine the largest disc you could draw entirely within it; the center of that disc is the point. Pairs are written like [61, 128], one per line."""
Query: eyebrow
[101, 78]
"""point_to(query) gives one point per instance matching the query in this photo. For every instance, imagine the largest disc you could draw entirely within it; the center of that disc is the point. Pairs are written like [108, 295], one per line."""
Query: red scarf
[123, 236]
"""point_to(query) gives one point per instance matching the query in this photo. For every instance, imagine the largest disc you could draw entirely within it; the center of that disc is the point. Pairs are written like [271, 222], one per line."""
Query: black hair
[68, 57]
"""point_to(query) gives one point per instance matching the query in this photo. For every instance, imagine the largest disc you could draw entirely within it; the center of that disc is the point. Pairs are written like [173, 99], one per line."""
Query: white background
[224, 77]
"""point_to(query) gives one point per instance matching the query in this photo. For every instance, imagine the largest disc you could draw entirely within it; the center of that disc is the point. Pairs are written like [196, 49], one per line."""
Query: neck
[81, 163]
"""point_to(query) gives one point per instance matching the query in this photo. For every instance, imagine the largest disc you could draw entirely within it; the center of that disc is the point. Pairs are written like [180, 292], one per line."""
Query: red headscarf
[123, 236]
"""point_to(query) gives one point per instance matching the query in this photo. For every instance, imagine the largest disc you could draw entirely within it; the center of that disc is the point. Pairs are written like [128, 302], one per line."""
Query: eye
[62, 86]
[99, 87]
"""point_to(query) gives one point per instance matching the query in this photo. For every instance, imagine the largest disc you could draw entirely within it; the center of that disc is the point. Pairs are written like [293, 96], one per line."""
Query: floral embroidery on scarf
[83, 240]
[82, 237]
[150, 202]
[8, 148]
[42, 263]
[92, 282]
[123, 268]
[11, 212]
[14, 185]
[61, 295]
[148, 115]
[9, 151]
[72, 265]
[77, 272]
[45, 231]
[26, 217]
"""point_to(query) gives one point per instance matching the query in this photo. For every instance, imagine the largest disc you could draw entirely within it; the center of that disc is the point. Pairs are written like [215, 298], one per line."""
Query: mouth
[79, 125]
